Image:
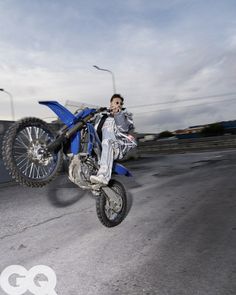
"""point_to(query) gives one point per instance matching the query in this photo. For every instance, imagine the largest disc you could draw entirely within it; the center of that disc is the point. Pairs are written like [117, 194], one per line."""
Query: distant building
[229, 126]
[143, 137]
[190, 132]
[195, 131]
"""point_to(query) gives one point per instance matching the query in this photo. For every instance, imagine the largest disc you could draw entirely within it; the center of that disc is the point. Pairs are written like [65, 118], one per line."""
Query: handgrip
[56, 144]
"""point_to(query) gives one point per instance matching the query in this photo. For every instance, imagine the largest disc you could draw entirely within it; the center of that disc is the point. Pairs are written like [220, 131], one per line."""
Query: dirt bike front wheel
[110, 212]
[24, 153]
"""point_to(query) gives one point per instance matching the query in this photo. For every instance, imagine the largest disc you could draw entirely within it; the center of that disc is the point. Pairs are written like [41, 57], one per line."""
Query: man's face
[116, 105]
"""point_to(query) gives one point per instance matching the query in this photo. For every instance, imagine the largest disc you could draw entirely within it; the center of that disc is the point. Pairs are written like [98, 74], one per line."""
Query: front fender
[65, 115]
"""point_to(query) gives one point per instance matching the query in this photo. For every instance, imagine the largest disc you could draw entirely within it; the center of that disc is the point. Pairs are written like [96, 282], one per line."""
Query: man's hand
[115, 110]
[116, 105]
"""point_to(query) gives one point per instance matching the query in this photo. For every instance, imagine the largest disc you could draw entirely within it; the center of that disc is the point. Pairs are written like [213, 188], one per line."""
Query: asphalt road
[179, 237]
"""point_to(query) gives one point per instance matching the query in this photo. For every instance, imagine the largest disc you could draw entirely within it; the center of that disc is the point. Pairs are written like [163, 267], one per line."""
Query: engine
[80, 169]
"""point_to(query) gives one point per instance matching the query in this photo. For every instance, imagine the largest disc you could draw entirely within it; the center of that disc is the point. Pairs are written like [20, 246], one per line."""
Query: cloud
[159, 51]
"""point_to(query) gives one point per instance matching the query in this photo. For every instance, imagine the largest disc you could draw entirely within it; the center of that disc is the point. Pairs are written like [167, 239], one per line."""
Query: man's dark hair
[116, 95]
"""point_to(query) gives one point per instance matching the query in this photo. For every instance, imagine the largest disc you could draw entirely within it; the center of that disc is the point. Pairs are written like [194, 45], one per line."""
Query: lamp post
[112, 75]
[11, 101]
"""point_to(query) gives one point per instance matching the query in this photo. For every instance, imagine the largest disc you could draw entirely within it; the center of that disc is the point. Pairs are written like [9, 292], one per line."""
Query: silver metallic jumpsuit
[116, 141]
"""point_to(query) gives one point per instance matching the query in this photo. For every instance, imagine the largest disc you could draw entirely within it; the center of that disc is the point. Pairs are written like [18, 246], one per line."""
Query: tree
[165, 134]
[214, 129]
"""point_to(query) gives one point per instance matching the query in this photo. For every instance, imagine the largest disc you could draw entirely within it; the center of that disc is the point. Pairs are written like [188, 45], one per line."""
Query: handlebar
[102, 109]
[106, 109]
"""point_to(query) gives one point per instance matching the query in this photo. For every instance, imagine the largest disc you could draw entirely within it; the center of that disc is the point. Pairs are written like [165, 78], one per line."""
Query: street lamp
[112, 75]
[11, 101]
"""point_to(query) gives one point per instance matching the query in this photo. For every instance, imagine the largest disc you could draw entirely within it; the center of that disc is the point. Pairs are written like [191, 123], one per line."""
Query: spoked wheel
[112, 209]
[24, 153]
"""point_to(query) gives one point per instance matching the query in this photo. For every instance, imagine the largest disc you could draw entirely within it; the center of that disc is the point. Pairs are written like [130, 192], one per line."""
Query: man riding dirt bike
[33, 153]
[113, 131]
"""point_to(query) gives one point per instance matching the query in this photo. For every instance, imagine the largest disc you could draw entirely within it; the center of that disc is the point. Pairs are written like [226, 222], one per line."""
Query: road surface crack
[43, 222]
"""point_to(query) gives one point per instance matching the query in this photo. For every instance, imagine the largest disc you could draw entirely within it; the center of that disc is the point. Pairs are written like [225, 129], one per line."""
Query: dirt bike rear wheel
[107, 216]
[22, 152]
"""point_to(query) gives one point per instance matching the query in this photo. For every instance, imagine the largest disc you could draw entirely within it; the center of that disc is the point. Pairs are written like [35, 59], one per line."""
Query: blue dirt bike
[33, 153]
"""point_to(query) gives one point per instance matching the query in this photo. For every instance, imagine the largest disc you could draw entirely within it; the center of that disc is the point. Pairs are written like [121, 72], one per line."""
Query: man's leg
[109, 151]
[107, 158]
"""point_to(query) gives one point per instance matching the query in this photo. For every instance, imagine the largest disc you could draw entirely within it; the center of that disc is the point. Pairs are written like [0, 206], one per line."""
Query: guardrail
[180, 145]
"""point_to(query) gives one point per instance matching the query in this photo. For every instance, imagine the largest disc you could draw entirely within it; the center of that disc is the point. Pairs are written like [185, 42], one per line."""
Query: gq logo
[16, 280]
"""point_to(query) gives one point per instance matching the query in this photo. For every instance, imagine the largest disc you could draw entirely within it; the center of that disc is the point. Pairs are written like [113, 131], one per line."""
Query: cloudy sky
[174, 61]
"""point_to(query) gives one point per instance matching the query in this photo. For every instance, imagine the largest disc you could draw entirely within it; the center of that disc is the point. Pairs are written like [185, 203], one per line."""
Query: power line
[185, 99]
[189, 106]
